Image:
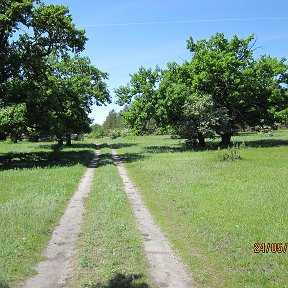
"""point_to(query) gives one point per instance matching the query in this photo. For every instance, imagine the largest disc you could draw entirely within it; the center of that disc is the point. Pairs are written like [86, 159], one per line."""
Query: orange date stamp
[273, 247]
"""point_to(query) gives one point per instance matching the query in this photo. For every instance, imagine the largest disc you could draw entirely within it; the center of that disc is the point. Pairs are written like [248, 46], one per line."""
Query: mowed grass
[213, 211]
[35, 187]
[109, 248]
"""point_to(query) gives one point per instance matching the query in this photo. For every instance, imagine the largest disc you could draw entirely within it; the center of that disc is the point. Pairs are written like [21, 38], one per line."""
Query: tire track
[166, 269]
[55, 271]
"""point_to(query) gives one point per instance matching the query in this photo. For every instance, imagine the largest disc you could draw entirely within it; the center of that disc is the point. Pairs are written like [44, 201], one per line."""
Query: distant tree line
[113, 126]
[46, 87]
[221, 90]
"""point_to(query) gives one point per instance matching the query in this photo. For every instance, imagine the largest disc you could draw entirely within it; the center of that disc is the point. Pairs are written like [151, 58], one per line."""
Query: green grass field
[214, 211]
[109, 249]
[35, 187]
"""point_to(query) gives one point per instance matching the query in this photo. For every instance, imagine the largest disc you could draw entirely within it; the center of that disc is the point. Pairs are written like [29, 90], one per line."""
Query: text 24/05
[270, 247]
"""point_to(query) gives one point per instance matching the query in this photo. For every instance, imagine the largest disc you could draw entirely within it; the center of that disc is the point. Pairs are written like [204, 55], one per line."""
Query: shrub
[77, 137]
[114, 134]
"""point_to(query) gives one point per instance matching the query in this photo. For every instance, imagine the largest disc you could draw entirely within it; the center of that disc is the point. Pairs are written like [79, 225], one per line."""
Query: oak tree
[30, 31]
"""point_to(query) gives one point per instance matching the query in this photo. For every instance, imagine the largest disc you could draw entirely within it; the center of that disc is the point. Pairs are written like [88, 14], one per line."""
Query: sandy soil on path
[166, 269]
[55, 271]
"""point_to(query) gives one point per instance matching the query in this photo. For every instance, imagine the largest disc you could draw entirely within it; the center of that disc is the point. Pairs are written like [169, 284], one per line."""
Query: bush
[126, 132]
[115, 133]
[97, 131]
[264, 130]
[77, 137]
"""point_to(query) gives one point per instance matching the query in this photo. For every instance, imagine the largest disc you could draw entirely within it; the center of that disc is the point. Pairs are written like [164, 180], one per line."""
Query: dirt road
[55, 270]
[166, 269]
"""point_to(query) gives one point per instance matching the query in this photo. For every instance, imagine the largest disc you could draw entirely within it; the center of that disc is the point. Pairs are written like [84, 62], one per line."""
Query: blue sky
[123, 35]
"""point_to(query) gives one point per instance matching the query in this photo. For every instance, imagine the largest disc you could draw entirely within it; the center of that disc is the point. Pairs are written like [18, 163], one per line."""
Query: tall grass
[214, 211]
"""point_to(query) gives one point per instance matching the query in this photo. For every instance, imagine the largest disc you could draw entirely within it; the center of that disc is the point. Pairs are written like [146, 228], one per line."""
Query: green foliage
[97, 131]
[36, 69]
[13, 121]
[281, 111]
[240, 86]
[221, 90]
[30, 31]
[201, 118]
[264, 129]
[73, 86]
[142, 86]
[113, 123]
[113, 126]
[115, 133]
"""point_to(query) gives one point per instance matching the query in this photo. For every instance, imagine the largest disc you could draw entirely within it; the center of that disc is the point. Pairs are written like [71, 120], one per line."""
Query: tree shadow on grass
[103, 145]
[123, 145]
[214, 145]
[123, 281]
[106, 158]
[116, 145]
[165, 149]
[73, 146]
[132, 157]
[180, 148]
[60, 158]
[266, 143]
[45, 159]
[4, 285]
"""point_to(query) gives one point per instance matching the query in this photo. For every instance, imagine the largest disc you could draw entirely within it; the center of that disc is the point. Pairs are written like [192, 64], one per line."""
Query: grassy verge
[214, 211]
[109, 249]
[35, 186]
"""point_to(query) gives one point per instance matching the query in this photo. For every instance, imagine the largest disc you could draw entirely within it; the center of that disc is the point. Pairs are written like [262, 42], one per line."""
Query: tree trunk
[68, 139]
[201, 140]
[225, 140]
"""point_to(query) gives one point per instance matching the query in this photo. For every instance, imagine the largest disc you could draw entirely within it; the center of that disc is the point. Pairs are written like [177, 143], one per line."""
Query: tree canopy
[38, 71]
[222, 88]
[13, 121]
[29, 31]
[73, 86]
